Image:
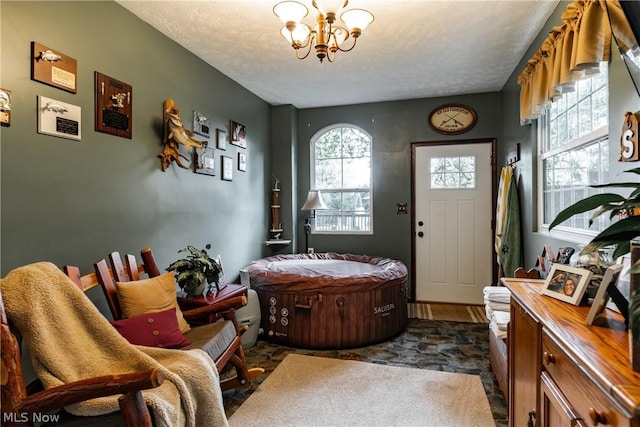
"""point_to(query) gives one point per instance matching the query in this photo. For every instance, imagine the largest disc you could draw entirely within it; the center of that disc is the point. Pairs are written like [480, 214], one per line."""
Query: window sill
[570, 236]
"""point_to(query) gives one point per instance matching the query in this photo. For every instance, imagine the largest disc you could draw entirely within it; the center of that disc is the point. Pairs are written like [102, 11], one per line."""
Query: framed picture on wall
[227, 168]
[221, 139]
[201, 124]
[242, 162]
[238, 134]
[566, 283]
[204, 161]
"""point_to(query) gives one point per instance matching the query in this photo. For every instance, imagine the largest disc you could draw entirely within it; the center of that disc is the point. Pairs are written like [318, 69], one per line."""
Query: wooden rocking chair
[220, 339]
[20, 408]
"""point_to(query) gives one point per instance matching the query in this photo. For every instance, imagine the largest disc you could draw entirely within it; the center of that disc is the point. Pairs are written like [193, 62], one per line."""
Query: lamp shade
[298, 36]
[357, 18]
[329, 6]
[314, 201]
[290, 11]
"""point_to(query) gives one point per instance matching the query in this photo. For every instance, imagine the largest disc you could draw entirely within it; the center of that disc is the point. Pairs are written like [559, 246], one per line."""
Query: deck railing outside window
[328, 221]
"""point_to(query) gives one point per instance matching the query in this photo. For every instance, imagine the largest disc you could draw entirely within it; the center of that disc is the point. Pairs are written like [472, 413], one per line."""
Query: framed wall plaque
[114, 106]
[204, 161]
[53, 68]
[221, 139]
[58, 118]
[227, 168]
[242, 162]
[452, 119]
[201, 124]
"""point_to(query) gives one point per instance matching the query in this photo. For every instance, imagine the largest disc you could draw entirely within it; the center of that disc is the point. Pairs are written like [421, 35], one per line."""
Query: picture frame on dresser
[599, 304]
[566, 283]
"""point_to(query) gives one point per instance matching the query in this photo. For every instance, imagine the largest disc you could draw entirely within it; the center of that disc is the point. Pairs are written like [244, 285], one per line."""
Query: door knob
[420, 223]
[420, 234]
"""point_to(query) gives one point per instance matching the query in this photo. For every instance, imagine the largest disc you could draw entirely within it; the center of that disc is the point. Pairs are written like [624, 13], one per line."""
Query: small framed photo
[5, 107]
[204, 161]
[238, 134]
[227, 168]
[242, 162]
[221, 139]
[566, 283]
[601, 299]
[222, 279]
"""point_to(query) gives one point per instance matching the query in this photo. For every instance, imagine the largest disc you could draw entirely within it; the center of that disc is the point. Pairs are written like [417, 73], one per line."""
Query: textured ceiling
[413, 49]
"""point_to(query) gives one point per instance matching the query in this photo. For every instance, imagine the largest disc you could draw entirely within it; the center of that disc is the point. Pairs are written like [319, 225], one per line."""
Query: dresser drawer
[591, 404]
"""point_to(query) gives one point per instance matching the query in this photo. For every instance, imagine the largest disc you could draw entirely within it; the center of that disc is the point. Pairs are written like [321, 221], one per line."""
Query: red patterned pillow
[158, 329]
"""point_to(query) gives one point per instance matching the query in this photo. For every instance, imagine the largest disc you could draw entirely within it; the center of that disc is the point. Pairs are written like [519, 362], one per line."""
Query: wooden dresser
[563, 372]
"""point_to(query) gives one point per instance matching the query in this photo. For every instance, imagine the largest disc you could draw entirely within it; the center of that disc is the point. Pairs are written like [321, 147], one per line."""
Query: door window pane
[453, 172]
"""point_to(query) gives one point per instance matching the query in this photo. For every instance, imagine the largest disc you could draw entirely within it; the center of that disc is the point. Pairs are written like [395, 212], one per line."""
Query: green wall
[71, 202]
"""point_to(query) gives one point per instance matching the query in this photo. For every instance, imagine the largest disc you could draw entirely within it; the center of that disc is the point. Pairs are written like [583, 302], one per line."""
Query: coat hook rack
[513, 154]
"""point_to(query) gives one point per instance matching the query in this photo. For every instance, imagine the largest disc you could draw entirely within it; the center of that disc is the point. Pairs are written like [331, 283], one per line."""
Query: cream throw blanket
[71, 340]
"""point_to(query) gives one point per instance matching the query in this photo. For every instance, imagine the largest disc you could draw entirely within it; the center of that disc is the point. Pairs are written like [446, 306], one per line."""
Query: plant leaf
[619, 233]
[586, 205]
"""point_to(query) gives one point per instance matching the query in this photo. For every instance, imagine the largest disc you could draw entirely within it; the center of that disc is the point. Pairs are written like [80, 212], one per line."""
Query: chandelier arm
[355, 40]
[308, 45]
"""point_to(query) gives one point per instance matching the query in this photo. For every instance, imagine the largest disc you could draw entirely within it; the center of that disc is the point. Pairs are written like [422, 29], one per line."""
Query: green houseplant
[195, 270]
[620, 233]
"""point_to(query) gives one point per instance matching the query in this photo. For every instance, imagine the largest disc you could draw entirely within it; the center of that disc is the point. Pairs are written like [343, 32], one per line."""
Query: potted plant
[620, 233]
[195, 271]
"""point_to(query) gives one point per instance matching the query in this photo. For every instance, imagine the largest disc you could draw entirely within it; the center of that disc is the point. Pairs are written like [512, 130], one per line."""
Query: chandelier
[326, 38]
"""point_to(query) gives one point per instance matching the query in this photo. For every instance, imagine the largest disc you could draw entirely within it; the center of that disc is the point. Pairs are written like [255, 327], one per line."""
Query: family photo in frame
[566, 283]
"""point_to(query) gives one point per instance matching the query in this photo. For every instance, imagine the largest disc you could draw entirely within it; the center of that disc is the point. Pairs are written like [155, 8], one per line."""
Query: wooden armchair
[220, 339]
[19, 408]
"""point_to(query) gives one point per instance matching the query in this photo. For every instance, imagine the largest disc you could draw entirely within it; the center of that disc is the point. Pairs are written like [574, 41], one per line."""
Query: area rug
[319, 391]
[448, 312]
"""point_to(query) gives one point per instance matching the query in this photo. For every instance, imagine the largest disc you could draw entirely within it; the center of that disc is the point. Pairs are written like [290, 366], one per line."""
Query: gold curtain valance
[572, 51]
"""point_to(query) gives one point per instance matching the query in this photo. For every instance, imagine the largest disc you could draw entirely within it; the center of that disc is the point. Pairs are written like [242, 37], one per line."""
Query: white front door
[453, 202]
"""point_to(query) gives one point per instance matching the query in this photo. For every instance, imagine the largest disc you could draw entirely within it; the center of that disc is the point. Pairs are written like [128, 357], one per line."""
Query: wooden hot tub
[329, 300]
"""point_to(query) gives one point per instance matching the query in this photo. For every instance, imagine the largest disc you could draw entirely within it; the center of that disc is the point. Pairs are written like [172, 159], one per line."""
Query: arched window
[341, 171]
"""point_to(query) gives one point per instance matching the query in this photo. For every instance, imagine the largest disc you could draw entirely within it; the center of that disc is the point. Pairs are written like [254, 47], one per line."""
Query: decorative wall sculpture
[175, 135]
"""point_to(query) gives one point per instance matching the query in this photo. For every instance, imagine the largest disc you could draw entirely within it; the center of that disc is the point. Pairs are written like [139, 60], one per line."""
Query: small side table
[231, 290]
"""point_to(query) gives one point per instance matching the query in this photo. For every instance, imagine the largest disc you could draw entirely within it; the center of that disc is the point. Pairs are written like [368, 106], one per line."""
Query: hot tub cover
[329, 272]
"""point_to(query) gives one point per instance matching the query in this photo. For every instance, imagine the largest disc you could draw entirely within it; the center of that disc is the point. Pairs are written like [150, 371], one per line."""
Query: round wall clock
[451, 119]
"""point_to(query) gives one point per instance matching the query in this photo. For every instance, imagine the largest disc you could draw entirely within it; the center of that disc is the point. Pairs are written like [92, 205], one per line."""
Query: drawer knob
[597, 417]
[548, 358]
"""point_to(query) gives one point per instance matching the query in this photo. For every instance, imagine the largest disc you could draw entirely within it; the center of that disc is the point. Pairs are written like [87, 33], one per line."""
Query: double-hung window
[341, 171]
[573, 154]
